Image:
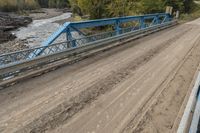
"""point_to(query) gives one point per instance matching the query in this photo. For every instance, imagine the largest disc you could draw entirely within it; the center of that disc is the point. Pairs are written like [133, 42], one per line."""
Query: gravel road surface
[136, 87]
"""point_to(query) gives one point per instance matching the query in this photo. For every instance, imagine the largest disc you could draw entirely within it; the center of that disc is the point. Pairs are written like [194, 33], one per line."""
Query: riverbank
[45, 13]
[9, 22]
[11, 25]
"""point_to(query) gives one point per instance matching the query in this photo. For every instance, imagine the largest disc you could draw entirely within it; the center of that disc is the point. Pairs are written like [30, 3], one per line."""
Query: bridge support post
[142, 23]
[166, 19]
[117, 27]
[70, 38]
[157, 20]
[70, 27]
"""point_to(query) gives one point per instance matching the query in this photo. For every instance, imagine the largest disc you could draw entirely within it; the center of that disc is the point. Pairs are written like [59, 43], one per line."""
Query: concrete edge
[189, 109]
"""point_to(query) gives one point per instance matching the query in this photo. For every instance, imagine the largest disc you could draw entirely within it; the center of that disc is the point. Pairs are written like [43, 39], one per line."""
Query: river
[39, 30]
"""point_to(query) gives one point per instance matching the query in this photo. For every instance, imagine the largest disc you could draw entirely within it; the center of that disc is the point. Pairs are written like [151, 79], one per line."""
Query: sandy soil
[125, 89]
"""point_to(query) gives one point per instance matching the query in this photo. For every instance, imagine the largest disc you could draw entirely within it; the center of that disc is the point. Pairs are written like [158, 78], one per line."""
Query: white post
[167, 9]
[170, 10]
[177, 14]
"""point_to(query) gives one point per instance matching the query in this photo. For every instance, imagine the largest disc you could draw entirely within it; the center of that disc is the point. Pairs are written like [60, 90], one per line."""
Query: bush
[152, 6]
[58, 3]
[194, 14]
[15, 5]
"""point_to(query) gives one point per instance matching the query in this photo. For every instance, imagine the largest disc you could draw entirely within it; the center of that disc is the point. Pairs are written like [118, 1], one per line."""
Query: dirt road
[136, 87]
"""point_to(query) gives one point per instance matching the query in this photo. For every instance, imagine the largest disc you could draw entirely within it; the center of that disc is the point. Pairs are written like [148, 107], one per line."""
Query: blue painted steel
[51, 39]
[69, 27]
[56, 34]
[102, 22]
[111, 21]
[50, 46]
[196, 116]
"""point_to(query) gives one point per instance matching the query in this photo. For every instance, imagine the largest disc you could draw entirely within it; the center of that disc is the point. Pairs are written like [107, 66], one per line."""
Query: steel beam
[70, 27]
[18, 67]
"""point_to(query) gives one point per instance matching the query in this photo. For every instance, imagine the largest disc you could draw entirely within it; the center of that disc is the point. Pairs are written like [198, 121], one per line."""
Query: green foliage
[115, 8]
[17, 5]
[176, 4]
[94, 8]
[185, 6]
[97, 9]
[104, 8]
[58, 3]
[52, 3]
[194, 13]
[188, 5]
[152, 6]
[43, 3]
[14, 5]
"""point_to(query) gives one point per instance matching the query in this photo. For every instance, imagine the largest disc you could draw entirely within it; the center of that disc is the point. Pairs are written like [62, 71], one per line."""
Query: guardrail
[59, 51]
[68, 28]
[190, 119]
[16, 57]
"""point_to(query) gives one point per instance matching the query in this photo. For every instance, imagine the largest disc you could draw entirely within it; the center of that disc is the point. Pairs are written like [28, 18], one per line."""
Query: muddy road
[137, 87]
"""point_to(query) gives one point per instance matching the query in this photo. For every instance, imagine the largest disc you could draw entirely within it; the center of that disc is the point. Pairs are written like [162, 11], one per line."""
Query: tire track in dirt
[162, 110]
[112, 111]
[68, 109]
[31, 99]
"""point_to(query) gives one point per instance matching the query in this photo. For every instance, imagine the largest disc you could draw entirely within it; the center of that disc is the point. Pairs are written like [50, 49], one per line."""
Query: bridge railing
[190, 120]
[48, 48]
[15, 57]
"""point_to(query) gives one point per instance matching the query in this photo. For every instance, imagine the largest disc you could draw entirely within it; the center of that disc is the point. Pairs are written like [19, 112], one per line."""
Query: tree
[52, 3]
[104, 8]
[188, 4]
[117, 8]
[43, 3]
[151, 6]
[176, 4]
[76, 9]
[181, 5]
[93, 8]
[62, 3]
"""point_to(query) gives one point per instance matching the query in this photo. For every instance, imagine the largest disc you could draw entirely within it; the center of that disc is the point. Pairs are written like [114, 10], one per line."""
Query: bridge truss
[121, 27]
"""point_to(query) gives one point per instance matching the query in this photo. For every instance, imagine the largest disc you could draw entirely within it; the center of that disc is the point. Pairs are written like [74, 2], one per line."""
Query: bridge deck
[113, 91]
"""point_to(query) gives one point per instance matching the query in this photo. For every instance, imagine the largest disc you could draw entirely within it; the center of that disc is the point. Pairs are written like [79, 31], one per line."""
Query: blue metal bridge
[12, 63]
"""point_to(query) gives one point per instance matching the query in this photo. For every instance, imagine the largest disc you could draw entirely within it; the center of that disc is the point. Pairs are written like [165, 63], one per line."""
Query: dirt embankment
[11, 22]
